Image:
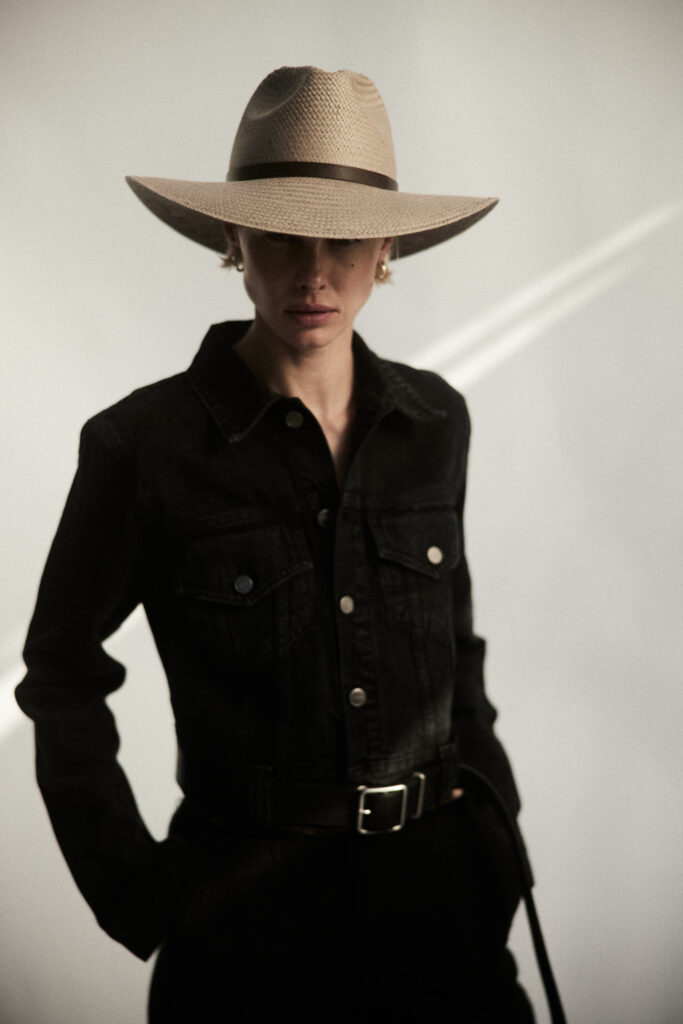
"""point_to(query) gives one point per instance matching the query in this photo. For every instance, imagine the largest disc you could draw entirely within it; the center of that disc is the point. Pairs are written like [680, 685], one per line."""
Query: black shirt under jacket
[307, 633]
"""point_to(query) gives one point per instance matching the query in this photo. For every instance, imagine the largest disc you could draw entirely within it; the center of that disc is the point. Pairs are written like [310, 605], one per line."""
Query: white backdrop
[559, 317]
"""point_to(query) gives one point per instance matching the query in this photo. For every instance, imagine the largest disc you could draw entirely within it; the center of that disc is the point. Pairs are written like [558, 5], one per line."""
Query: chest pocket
[247, 592]
[416, 552]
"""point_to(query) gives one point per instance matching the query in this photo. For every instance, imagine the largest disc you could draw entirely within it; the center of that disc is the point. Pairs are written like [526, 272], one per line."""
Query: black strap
[303, 169]
[551, 991]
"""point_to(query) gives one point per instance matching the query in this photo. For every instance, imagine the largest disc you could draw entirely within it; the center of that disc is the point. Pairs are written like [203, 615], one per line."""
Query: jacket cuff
[141, 916]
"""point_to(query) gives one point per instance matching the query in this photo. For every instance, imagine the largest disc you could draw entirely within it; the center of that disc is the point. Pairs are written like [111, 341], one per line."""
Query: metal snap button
[435, 555]
[294, 418]
[324, 516]
[243, 584]
[346, 604]
[357, 697]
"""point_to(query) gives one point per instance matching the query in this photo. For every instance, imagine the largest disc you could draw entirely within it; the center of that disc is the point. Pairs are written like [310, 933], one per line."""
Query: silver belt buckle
[366, 791]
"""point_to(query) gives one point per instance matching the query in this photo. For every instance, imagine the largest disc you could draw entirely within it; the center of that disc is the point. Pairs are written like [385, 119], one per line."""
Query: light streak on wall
[473, 350]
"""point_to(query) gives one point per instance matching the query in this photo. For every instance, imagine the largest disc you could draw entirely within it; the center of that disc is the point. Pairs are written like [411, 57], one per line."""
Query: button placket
[356, 665]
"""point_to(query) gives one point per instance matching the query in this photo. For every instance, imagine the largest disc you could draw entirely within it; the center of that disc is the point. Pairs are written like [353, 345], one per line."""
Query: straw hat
[314, 156]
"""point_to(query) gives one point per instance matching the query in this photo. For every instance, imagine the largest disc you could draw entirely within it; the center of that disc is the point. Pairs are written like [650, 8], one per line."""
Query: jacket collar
[237, 400]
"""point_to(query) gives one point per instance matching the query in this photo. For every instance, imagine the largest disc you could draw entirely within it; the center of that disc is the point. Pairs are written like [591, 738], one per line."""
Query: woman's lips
[311, 316]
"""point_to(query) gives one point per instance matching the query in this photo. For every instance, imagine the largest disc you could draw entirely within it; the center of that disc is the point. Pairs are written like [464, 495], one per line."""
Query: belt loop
[449, 770]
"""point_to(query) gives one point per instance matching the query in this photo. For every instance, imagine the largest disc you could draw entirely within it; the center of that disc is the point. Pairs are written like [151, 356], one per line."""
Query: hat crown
[305, 114]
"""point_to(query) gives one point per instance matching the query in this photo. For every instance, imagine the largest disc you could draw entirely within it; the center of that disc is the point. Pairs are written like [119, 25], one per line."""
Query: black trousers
[407, 926]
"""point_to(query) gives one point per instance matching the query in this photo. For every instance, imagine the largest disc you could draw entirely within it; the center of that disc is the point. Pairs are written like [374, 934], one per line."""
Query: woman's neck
[322, 378]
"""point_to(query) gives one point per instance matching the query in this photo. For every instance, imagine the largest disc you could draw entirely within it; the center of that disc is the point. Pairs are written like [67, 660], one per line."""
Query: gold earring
[236, 259]
[381, 271]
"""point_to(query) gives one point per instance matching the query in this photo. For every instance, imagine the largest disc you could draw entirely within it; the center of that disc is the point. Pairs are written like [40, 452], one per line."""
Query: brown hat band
[302, 169]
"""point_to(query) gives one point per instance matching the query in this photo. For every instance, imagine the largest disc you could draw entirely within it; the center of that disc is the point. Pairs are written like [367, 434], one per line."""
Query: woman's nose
[311, 270]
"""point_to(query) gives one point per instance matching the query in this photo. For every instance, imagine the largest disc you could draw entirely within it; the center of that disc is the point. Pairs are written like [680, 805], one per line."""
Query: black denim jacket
[306, 633]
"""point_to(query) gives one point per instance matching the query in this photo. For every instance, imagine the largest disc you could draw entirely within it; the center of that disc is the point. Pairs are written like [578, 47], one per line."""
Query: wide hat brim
[314, 207]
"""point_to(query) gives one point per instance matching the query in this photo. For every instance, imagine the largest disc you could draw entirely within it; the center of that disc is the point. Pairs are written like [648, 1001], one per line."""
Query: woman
[289, 512]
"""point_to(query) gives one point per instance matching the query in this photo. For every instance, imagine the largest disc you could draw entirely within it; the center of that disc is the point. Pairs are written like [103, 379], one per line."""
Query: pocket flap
[239, 568]
[426, 540]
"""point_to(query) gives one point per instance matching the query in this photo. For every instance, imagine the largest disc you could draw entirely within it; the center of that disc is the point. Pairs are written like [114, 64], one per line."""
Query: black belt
[364, 809]
[255, 796]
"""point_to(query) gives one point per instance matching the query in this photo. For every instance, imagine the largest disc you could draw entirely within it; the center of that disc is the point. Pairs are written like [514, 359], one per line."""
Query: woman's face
[307, 291]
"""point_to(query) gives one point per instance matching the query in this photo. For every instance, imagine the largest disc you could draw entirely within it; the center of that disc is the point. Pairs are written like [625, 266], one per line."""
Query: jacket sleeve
[476, 743]
[91, 583]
